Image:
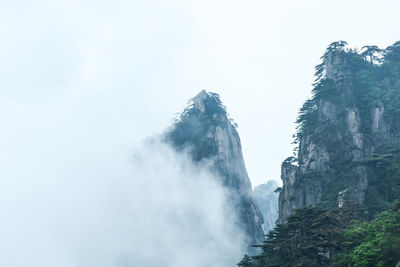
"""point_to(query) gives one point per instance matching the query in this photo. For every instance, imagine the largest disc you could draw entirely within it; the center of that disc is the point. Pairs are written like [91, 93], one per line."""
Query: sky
[125, 68]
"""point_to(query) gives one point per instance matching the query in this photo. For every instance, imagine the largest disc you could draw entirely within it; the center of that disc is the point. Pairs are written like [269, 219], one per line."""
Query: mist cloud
[149, 208]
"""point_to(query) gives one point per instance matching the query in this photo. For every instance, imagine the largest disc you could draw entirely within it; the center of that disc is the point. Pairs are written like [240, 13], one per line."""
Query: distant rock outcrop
[267, 201]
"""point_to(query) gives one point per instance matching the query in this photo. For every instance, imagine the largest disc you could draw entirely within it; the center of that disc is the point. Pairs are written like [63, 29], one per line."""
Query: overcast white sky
[91, 75]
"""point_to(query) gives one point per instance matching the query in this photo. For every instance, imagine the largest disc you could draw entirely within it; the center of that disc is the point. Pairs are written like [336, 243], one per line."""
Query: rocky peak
[336, 64]
[205, 130]
[199, 99]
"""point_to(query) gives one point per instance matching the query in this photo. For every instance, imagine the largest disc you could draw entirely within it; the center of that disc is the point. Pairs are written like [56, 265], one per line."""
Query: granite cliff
[348, 134]
[206, 132]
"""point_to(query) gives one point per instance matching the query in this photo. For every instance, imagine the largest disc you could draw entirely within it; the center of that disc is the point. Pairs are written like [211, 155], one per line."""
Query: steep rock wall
[341, 127]
[211, 138]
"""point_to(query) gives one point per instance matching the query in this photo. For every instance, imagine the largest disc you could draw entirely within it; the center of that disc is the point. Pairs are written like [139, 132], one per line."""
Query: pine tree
[245, 262]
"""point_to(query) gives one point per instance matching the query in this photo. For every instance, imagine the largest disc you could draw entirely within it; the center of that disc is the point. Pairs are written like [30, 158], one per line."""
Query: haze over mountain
[88, 87]
[267, 201]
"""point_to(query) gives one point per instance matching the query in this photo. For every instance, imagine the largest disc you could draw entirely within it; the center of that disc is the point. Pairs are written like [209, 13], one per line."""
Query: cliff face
[205, 130]
[343, 131]
[267, 201]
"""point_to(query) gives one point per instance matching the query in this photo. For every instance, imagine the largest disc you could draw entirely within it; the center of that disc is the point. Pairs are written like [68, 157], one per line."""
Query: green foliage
[341, 238]
[310, 238]
[375, 243]
[363, 80]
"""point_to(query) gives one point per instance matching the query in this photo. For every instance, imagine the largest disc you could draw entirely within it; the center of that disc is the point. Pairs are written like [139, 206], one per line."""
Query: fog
[145, 207]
